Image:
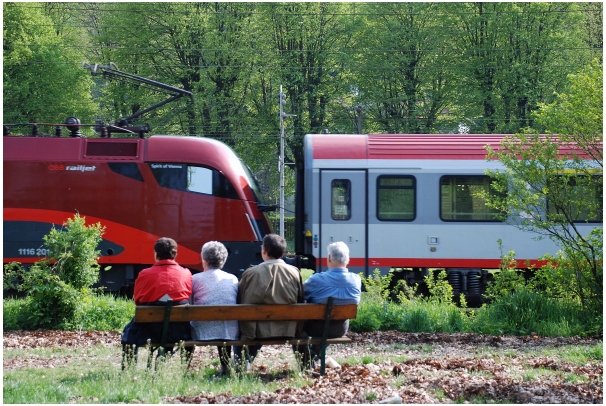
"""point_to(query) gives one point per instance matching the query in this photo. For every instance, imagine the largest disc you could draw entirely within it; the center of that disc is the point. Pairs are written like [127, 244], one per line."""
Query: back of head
[215, 254]
[274, 245]
[339, 252]
[165, 248]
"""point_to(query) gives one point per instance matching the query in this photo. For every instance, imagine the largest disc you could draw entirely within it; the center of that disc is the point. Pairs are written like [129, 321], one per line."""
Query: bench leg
[304, 354]
[187, 354]
[224, 358]
[129, 355]
[244, 356]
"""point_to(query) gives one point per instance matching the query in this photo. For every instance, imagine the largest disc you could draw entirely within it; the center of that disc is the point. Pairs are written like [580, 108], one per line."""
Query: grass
[94, 312]
[94, 375]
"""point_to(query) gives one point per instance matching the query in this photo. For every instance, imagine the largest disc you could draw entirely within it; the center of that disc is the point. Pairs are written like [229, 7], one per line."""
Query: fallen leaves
[413, 368]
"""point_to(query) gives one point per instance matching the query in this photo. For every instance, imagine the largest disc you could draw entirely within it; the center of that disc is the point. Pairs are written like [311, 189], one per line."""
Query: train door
[343, 208]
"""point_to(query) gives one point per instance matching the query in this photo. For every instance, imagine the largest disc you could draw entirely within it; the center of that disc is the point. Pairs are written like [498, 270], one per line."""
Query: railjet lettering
[81, 168]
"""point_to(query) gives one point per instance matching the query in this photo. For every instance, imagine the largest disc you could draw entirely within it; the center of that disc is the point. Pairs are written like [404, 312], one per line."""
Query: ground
[392, 367]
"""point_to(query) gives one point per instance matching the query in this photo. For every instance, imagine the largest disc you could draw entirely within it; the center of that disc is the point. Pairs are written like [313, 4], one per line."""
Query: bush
[56, 285]
[73, 250]
[576, 273]
[53, 302]
[440, 291]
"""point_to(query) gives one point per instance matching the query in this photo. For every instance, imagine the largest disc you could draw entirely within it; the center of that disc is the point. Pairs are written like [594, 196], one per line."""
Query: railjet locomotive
[188, 188]
[409, 202]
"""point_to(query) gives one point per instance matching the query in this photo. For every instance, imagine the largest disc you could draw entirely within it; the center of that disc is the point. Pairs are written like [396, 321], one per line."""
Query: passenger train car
[188, 188]
[408, 202]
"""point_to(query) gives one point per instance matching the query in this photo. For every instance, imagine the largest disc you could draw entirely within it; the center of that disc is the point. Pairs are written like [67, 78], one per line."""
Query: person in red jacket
[165, 277]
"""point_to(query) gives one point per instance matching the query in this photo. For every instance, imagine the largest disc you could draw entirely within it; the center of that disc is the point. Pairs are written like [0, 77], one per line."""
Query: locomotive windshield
[252, 181]
[192, 178]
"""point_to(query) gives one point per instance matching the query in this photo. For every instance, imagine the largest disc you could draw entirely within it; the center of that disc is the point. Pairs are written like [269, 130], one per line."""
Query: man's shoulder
[147, 271]
[253, 269]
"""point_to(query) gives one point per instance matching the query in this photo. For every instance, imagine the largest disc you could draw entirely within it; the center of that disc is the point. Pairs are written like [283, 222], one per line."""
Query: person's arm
[309, 287]
[301, 294]
[139, 288]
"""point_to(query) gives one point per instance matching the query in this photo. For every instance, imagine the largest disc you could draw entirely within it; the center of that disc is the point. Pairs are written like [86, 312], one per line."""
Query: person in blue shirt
[337, 282]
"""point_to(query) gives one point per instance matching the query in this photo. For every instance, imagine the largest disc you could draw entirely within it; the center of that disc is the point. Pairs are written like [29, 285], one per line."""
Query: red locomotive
[188, 188]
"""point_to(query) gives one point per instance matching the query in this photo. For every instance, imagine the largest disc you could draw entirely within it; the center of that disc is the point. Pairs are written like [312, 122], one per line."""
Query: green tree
[550, 193]
[304, 39]
[43, 78]
[204, 48]
[403, 77]
[514, 53]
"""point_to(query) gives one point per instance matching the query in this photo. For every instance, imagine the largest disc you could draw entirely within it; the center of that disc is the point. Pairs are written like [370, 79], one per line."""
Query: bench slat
[271, 312]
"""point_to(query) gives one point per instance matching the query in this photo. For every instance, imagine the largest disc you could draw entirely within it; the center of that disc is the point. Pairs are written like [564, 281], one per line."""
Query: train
[191, 189]
[400, 202]
[409, 203]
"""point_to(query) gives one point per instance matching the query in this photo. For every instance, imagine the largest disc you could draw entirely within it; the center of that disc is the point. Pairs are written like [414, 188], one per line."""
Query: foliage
[570, 276]
[524, 312]
[435, 313]
[440, 291]
[550, 193]
[515, 308]
[43, 80]
[405, 292]
[55, 286]
[507, 279]
[73, 250]
[376, 285]
[103, 312]
[98, 312]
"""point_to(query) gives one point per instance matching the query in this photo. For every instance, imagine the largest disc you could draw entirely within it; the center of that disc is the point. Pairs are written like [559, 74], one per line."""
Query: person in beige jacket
[271, 282]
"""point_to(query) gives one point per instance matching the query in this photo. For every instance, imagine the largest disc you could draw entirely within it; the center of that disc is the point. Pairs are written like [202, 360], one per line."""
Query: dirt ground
[411, 368]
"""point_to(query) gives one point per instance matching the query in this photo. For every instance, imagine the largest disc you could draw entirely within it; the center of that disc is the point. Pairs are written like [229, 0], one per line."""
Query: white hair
[338, 252]
[215, 254]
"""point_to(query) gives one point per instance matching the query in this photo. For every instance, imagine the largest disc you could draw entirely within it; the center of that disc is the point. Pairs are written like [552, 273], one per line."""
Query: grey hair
[339, 252]
[215, 254]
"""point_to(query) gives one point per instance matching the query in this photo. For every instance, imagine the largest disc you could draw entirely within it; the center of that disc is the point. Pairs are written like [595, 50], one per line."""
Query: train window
[581, 189]
[460, 199]
[196, 179]
[340, 199]
[396, 198]
[200, 180]
[129, 169]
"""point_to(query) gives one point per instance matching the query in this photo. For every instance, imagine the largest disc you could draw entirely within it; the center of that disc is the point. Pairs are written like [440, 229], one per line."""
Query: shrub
[377, 285]
[73, 250]
[57, 284]
[440, 291]
[507, 279]
[53, 302]
[572, 274]
[369, 316]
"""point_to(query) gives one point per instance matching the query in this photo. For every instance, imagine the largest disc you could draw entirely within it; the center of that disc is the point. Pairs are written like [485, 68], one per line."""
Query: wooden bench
[249, 312]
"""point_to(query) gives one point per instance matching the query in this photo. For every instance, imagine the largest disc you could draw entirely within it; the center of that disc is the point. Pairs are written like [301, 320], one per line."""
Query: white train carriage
[409, 201]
